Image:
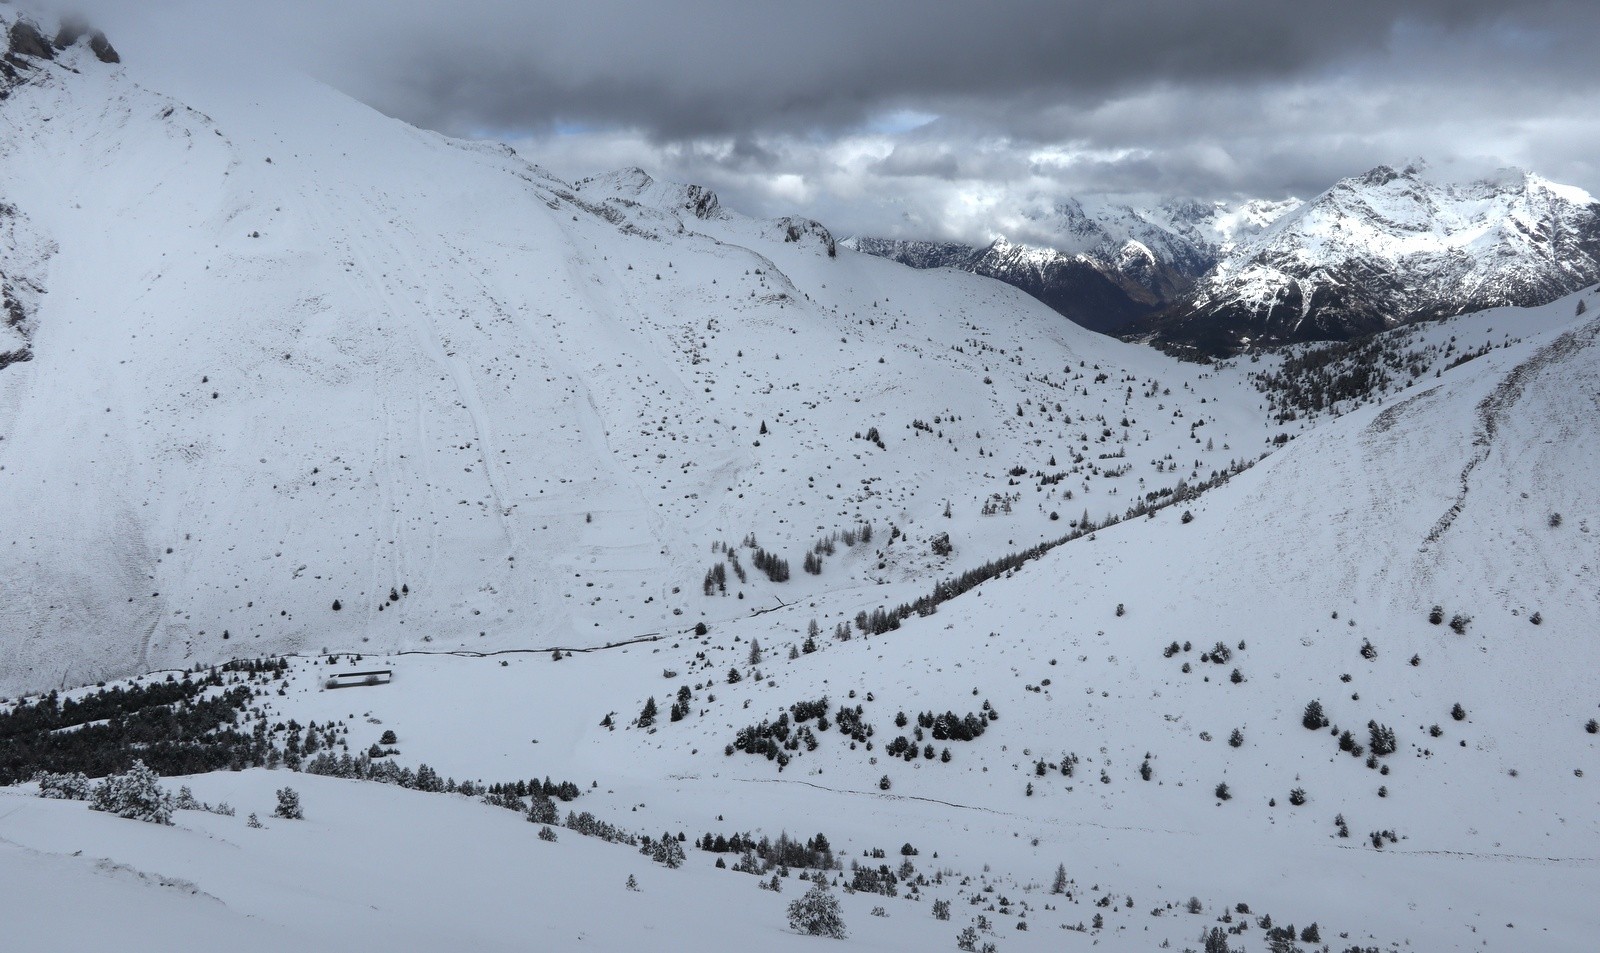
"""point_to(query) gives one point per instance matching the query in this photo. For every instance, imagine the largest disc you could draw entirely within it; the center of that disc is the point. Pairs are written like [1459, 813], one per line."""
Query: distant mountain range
[1113, 263]
[1376, 251]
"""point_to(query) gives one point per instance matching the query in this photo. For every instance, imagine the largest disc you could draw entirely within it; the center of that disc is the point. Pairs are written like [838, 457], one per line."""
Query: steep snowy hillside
[1388, 247]
[1132, 706]
[304, 377]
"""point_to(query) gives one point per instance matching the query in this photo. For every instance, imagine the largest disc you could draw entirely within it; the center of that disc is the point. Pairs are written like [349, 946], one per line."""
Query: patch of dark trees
[175, 726]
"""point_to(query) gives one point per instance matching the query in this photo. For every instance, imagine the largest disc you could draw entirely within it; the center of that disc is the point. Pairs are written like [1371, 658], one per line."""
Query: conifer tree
[816, 913]
[288, 805]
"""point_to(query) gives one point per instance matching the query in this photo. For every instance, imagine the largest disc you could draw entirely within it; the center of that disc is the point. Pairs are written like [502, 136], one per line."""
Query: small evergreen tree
[816, 913]
[647, 716]
[1215, 940]
[542, 810]
[1060, 883]
[1381, 739]
[288, 805]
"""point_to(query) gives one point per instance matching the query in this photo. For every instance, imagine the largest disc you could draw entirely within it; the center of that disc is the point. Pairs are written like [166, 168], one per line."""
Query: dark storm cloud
[697, 67]
[784, 103]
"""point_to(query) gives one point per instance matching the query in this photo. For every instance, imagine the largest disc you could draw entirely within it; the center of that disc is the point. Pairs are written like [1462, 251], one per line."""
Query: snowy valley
[709, 560]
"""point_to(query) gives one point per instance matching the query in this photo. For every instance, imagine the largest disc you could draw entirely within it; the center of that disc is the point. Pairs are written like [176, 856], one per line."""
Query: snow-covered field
[488, 414]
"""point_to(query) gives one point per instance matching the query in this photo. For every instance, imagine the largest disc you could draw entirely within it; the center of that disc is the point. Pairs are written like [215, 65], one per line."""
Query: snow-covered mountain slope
[1108, 262]
[295, 355]
[1388, 247]
[1316, 571]
[305, 378]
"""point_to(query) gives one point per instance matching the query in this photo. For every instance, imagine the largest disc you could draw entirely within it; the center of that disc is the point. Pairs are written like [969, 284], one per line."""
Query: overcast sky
[938, 118]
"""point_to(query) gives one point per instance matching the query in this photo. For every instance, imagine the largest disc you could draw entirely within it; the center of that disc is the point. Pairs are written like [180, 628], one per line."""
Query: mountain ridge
[1386, 248]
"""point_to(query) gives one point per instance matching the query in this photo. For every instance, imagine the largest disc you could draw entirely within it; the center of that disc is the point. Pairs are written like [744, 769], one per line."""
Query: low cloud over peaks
[946, 118]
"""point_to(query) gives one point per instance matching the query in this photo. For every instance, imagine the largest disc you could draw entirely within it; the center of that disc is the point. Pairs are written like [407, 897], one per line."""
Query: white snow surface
[440, 368]
[294, 352]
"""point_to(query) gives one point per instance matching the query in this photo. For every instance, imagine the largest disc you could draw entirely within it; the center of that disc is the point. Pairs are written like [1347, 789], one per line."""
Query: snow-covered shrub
[135, 794]
[816, 913]
[73, 786]
[547, 834]
[288, 805]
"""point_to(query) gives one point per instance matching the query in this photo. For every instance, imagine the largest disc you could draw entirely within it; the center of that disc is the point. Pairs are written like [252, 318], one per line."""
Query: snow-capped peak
[1391, 245]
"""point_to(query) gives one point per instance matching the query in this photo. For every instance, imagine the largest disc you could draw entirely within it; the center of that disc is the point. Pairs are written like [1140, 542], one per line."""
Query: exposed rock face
[102, 48]
[798, 229]
[25, 39]
[23, 256]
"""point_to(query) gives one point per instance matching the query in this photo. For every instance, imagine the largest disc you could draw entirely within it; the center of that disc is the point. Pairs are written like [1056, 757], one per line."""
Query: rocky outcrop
[25, 39]
[24, 256]
[799, 229]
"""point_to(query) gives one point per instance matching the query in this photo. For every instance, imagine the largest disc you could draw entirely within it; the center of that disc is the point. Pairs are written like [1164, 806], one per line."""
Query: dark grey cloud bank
[946, 118]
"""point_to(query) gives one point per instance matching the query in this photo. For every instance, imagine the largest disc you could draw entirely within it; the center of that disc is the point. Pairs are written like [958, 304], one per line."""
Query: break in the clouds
[912, 118]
